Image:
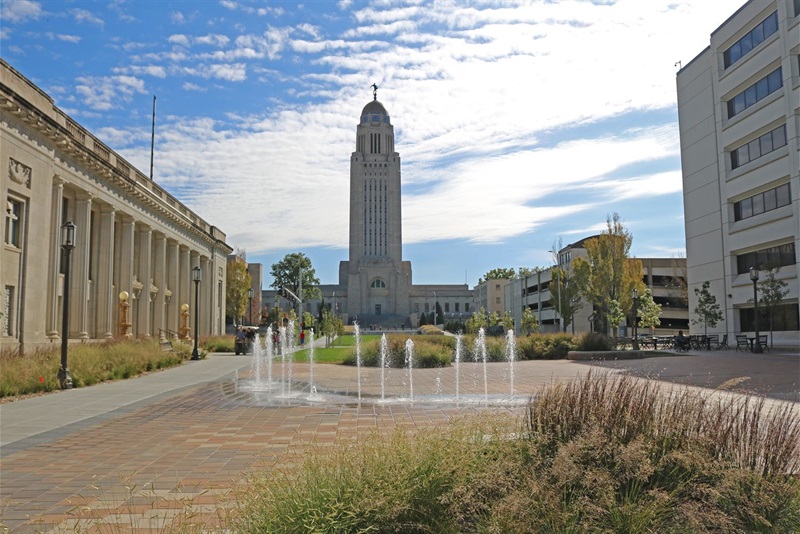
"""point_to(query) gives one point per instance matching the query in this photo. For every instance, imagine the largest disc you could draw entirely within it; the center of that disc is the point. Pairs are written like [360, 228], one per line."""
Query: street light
[250, 294]
[754, 277]
[558, 290]
[635, 297]
[196, 276]
[67, 244]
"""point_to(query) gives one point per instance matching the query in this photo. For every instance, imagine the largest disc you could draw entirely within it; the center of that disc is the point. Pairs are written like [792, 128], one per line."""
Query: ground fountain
[440, 385]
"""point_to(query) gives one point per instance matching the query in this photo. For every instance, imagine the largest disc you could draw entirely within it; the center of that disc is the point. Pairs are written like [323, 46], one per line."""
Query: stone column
[124, 274]
[160, 281]
[185, 277]
[205, 296]
[143, 274]
[79, 270]
[104, 283]
[56, 216]
[173, 307]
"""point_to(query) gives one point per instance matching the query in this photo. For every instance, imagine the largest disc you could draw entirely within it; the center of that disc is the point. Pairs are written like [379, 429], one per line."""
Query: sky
[520, 124]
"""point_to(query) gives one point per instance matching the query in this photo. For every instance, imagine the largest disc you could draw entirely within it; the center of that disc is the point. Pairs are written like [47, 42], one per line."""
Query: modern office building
[136, 246]
[739, 115]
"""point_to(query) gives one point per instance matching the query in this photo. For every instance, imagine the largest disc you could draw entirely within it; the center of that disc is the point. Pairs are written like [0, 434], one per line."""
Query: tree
[507, 320]
[476, 321]
[286, 274]
[707, 309]
[772, 293]
[607, 274]
[649, 311]
[237, 282]
[529, 321]
[614, 315]
[331, 326]
[564, 295]
[498, 274]
[438, 318]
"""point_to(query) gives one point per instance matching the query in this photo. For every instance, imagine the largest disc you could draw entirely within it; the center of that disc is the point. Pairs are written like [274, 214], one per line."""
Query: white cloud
[82, 15]
[63, 37]
[20, 10]
[109, 92]
[234, 72]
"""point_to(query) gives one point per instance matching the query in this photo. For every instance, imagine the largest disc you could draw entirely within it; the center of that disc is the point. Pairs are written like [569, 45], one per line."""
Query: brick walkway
[173, 458]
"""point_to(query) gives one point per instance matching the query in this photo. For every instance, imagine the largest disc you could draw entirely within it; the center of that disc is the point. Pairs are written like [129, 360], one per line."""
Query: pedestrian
[302, 338]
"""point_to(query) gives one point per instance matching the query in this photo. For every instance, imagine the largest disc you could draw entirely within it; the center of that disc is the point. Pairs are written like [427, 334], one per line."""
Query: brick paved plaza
[167, 449]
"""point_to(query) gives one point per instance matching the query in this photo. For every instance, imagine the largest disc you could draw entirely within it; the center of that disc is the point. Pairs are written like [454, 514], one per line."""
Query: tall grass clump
[218, 343]
[89, 364]
[623, 455]
[432, 481]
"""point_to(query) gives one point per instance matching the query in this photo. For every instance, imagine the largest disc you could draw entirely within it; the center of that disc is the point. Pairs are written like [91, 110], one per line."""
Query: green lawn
[341, 348]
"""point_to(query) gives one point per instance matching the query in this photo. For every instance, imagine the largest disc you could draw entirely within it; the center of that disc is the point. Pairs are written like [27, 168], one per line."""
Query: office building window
[466, 307]
[759, 90]
[784, 318]
[766, 201]
[758, 147]
[797, 8]
[768, 258]
[446, 307]
[754, 37]
[13, 223]
[456, 307]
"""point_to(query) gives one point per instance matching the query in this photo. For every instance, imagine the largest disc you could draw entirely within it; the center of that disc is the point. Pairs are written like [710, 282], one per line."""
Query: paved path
[163, 449]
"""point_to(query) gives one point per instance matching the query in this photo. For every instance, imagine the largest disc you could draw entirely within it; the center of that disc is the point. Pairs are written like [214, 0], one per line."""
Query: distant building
[132, 238]
[665, 277]
[740, 153]
[488, 294]
[375, 283]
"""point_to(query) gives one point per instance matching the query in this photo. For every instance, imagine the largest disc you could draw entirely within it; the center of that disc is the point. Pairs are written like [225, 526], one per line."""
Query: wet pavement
[167, 449]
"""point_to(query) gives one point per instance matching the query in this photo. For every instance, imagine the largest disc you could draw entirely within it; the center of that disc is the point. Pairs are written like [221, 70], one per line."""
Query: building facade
[135, 245]
[665, 277]
[375, 283]
[739, 116]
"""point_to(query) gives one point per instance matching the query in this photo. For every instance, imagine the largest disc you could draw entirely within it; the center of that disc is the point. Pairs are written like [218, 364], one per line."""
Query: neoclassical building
[131, 235]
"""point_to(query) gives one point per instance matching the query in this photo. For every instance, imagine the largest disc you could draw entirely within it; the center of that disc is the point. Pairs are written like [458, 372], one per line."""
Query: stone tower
[377, 279]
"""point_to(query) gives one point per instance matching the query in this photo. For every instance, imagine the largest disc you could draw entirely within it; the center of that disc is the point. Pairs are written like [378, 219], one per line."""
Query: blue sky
[518, 123]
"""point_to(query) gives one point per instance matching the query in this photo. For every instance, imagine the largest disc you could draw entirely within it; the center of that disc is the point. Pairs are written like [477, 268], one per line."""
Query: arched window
[377, 283]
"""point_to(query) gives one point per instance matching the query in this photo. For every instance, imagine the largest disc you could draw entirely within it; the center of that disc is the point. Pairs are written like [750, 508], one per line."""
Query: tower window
[377, 283]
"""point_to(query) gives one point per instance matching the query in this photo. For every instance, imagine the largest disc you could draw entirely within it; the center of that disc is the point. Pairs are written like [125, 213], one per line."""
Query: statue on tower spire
[374, 91]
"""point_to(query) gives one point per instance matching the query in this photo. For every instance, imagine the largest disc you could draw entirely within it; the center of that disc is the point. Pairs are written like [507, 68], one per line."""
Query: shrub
[218, 343]
[593, 341]
[429, 351]
[430, 330]
[545, 346]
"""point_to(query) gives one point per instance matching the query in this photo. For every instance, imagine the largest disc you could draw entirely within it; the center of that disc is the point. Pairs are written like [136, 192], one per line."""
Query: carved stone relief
[19, 172]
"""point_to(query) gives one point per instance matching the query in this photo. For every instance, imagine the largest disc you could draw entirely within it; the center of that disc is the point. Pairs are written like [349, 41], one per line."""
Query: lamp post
[250, 294]
[123, 314]
[635, 297]
[558, 290]
[754, 277]
[67, 244]
[434, 308]
[196, 276]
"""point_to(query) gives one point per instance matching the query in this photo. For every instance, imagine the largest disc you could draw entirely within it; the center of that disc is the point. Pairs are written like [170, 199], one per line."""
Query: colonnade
[117, 251]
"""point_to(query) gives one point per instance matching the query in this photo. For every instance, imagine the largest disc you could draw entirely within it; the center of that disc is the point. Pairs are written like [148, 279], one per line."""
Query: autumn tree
[287, 274]
[707, 310]
[608, 274]
[237, 282]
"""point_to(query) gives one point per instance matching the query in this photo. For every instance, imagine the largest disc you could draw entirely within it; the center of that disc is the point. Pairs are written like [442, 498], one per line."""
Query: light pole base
[195, 354]
[64, 378]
